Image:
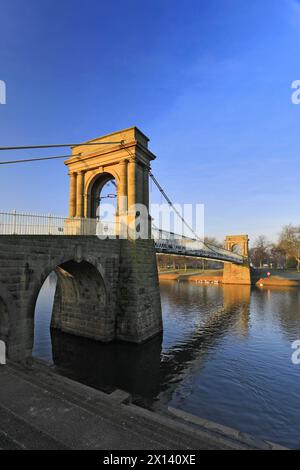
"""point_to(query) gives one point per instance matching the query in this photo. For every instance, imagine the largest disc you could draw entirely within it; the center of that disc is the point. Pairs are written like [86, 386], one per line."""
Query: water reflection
[284, 305]
[42, 341]
[231, 309]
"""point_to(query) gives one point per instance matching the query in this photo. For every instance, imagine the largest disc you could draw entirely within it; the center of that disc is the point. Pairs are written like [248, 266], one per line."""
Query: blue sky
[209, 81]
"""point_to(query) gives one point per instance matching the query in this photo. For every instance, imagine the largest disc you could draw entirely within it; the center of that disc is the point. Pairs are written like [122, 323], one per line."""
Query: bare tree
[260, 252]
[277, 256]
[289, 241]
[212, 241]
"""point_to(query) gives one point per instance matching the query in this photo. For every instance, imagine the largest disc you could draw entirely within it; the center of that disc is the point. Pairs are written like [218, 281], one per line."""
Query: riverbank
[277, 281]
[208, 275]
[40, 409]
[277, 278]
[280, 278]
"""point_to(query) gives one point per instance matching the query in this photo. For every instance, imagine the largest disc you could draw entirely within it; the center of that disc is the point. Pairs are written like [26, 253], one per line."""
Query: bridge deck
[13, 223]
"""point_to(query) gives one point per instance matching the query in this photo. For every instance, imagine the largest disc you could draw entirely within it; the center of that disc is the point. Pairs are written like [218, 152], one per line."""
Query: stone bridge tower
[234, 273]
[125, 158]
[127, 163]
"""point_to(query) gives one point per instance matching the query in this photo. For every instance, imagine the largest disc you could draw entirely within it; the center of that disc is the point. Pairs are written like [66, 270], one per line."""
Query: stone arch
[237, 248]
[94, 187]
[81, 302]
[92, 175]
[42, 275]
[238, 244]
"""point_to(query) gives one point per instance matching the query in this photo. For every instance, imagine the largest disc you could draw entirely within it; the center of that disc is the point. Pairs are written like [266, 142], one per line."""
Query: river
[225, 356]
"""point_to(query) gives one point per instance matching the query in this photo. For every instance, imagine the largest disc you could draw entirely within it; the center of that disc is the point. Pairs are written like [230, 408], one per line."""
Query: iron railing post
[14, 222]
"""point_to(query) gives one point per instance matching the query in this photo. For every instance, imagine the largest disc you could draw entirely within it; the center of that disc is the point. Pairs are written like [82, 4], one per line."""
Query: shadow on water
[130, 367]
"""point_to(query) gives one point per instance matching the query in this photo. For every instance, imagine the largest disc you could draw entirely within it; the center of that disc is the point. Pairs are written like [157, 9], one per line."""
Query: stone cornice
[138, 151]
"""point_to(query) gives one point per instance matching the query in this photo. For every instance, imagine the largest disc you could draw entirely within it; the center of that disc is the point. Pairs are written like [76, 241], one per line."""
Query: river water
[225, 356]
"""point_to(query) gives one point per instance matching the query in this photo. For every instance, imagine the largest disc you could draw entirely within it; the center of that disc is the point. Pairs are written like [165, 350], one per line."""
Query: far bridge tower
[235, 273]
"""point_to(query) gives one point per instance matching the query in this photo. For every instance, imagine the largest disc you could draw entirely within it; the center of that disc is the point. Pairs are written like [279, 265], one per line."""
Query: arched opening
[237, 249]
[102, 195]
[4, 323]
[73, 299]
[42, 347]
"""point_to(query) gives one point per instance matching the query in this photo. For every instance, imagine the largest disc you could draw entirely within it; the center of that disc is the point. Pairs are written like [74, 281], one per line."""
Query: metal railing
[16, 223]
[169, 242]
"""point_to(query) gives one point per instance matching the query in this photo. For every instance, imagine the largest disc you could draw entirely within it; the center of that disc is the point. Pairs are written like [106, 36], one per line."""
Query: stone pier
[106, 289]
[236, 273]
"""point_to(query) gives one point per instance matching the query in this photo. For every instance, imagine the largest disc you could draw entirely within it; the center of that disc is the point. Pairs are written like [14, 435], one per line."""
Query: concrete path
[42, 410]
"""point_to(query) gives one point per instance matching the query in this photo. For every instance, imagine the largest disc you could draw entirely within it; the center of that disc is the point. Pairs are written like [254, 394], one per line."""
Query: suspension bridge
[107, 283]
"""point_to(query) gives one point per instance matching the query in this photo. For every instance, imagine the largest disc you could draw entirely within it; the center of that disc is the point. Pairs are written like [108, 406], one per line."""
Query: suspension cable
[178, 213]
[27, 147]
[28, 160]
[169, 200]
[172, 205]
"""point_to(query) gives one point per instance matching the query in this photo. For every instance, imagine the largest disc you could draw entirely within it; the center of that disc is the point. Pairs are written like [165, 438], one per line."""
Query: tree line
[283, 254]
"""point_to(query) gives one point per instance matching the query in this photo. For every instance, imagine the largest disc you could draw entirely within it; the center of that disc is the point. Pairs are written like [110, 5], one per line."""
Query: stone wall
[139, 313]
[106, 289]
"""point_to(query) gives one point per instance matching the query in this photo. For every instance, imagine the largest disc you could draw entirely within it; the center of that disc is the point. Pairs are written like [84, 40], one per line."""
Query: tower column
[146, 186]
[80, 195]
[72, 204]
[132, 182]
[123, 188]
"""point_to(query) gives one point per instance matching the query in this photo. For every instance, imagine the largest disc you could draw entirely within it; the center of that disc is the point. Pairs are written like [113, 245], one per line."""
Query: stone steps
[7, 443]
[17, 434]
[142, 428]
[131, 418]
[69, 424]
